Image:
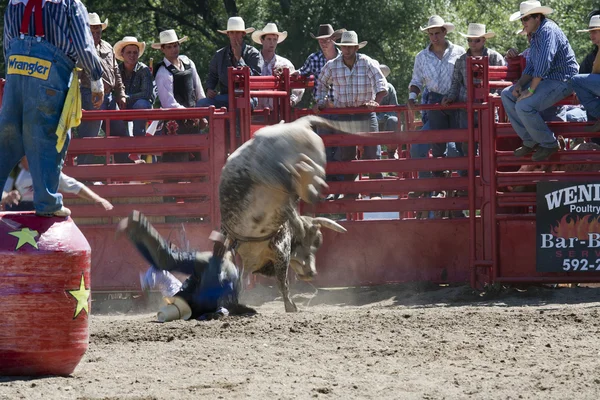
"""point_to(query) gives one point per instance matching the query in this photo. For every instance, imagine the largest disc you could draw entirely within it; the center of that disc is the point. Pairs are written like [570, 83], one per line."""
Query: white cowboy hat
[438, 22]
[350, 38]
[269, 29]
[385, 70]
[236, 24]
[176, 308]
[477, 31]
[530, 7]
[594, 24]
[95, 20]
[127, 40]
[166, 37]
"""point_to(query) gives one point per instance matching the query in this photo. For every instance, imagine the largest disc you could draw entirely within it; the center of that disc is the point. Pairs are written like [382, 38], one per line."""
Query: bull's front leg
[282, 282]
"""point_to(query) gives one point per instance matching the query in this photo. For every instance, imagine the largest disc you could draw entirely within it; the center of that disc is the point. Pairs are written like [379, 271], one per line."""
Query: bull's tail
[315, 122]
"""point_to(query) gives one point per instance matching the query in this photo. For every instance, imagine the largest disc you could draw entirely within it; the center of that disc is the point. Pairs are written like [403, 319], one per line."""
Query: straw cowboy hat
[438, 22]
[95, 20]
[127, 40]
[269, 29]
[350, 38]
[176, 308]
[594, 24]
[385, 70]
[530, 7]
[236, 24]
[326, 32]
[166, 37]
[477, 31]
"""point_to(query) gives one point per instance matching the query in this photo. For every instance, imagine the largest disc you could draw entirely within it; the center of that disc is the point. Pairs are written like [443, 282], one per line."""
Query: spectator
[546, 79]
[140, 90]
[587, 85]
[32, 102]
[237, 54]
[388, 121]
[315, 62]
[433, 71]
[21, 193]
[178, 86]
[114, 91]
[269, 38]
[588, 62]
[476, 37]
[358, 82]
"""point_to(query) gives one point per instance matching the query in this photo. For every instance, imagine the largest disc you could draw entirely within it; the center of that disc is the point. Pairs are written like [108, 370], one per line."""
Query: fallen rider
[212, 289]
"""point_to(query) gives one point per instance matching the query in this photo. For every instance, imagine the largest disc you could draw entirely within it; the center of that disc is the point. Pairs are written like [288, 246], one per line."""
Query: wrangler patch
[29, 66]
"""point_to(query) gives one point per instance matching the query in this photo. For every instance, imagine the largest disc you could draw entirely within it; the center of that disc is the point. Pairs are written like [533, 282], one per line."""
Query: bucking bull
[260, 188]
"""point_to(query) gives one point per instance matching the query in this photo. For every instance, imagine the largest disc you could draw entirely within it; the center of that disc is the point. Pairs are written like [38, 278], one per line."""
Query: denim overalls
[37, 79]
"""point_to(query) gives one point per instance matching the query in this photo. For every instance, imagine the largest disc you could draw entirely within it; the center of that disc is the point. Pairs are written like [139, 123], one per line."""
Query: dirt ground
[385, 342]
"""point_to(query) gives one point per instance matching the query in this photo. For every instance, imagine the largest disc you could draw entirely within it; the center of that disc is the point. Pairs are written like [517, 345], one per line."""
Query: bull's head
[306, 244]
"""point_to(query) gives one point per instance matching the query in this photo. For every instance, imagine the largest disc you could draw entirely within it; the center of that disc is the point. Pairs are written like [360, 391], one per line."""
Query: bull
[261, 185]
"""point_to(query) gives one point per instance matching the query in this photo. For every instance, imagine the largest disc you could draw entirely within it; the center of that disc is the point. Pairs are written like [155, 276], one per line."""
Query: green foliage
[390, 26]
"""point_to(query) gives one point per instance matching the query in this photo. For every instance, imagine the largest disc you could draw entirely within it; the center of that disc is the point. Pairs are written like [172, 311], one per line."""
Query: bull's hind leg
[307, 179]
[283, 284]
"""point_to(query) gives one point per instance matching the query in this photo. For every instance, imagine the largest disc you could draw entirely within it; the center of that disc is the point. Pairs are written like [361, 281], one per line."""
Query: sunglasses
[473, 40]
[526, 18]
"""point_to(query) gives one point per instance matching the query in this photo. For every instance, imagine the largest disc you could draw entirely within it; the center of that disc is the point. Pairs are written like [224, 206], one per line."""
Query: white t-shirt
[24, 184]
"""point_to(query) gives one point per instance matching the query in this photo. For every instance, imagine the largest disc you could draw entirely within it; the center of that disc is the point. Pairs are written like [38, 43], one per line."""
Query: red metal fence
[496, 243]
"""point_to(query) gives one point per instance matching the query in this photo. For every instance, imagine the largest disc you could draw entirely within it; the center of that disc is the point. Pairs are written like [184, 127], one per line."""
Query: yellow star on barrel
[25, 236]
[82, 296]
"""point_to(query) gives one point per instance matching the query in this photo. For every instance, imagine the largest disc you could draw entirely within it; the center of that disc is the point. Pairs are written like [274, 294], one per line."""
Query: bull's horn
[328, 223]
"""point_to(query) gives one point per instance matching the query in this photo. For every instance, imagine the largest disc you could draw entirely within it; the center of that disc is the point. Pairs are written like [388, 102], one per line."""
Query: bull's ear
[329, 223]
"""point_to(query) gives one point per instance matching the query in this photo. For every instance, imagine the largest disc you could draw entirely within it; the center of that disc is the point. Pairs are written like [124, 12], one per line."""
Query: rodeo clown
[212, 289]
[43, 40]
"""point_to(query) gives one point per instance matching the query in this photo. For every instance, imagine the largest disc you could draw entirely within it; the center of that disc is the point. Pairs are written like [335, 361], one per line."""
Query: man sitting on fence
[587, 85]
[236, 54]
[269, 37]
[546, 80]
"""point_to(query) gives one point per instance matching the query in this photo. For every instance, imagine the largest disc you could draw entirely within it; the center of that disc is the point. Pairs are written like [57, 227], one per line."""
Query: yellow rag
[71, 112]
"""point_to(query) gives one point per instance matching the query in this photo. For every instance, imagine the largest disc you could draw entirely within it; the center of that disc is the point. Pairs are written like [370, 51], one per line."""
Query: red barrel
[44, 295]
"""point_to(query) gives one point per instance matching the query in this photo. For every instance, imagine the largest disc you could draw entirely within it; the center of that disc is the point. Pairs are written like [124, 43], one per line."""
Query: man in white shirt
[269, 37]
[176, 77]
[433, 70]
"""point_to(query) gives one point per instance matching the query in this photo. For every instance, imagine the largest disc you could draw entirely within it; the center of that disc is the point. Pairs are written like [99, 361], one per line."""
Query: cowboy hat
[477, 31]
[438, 22]
[326, 32]
[176, 308]
[269, 29]
[95, 20]
[127, 40]
[166, 37]
[594, 24]
[236, 24]
[385, 70]
[530, 7]
[350, 38]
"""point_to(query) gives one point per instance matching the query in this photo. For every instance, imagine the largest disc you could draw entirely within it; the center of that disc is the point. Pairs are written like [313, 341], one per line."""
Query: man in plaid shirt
[357, 82]
[315, 62]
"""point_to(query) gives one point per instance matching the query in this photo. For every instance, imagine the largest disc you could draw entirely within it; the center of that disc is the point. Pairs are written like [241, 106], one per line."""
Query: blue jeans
[120, 127]
[220, 100]
[525, 115]
[89, 129]
[421, 150]
[29, 117]
[587, 88]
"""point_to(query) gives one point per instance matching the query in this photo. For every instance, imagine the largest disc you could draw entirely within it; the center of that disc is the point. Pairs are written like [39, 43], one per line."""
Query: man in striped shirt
[546, 80]
[357, 82]
[39, 71]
